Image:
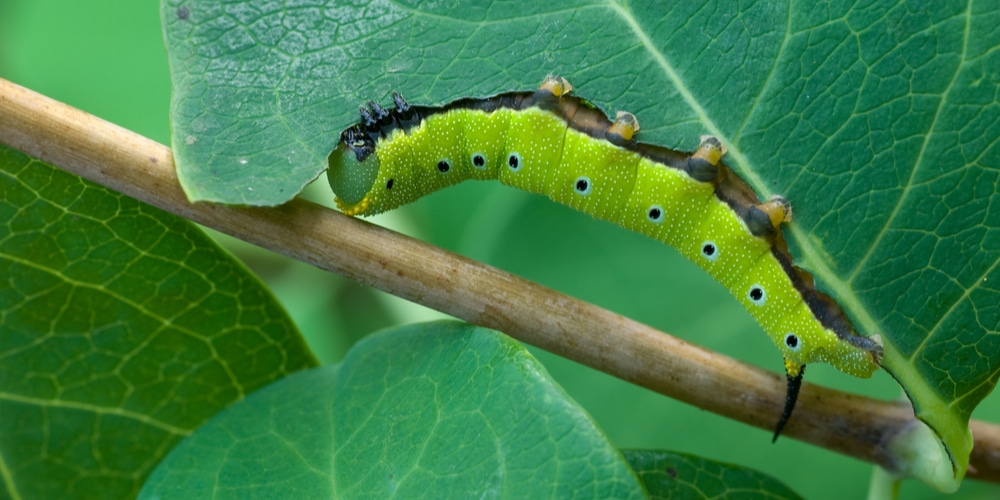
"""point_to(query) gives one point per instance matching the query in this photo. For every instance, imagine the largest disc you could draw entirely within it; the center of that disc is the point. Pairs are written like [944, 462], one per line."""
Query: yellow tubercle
[625, 125]
[710, 149]
[778, 210]
[558, 85]
[355, 209]
[792, 368]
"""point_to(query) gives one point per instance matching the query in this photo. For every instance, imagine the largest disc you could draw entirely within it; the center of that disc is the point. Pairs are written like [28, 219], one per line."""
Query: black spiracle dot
[514, 161]
[792, 341]
[478, 160]
[756, 293]
[655, 214]
[388, 185]
[708, 249]
[582, 185]
[444, 166]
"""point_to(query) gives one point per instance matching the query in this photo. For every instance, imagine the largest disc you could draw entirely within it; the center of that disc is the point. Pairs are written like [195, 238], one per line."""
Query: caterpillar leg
[794, 373]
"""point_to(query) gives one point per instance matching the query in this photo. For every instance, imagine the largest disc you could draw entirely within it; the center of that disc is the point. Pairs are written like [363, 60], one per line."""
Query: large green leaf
[431, 410]
[879, 122]
[122, 329]
[676, 476]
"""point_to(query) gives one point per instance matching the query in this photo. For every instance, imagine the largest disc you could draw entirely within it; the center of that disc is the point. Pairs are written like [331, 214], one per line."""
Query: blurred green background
[107, 58]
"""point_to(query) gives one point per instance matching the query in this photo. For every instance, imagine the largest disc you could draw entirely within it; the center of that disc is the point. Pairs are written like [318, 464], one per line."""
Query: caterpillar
[550, 142]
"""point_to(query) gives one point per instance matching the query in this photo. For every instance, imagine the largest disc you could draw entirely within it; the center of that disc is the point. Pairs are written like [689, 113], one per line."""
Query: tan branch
[143, 169]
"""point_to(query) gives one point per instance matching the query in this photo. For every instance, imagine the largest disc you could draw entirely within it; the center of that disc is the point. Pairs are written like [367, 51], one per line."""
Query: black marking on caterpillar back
[380, 114]
[701, 170]
[368, 121]
[402, 107]
[358, 141]
[759, 223]
[404, 116]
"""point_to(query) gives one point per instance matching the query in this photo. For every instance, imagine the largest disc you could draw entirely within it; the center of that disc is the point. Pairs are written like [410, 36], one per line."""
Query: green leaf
[680, 476]
[252, 83]
[437, 409]
[879, 122]
[122, 329]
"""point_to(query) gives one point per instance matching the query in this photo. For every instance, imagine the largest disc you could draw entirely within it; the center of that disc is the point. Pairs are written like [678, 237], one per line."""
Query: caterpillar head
[353, 170]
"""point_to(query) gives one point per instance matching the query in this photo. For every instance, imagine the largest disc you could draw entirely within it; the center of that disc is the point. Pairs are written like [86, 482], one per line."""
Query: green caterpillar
[562, 146]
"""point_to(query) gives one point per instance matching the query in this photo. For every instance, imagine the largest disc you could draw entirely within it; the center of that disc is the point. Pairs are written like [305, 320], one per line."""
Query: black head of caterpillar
[393, 156]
